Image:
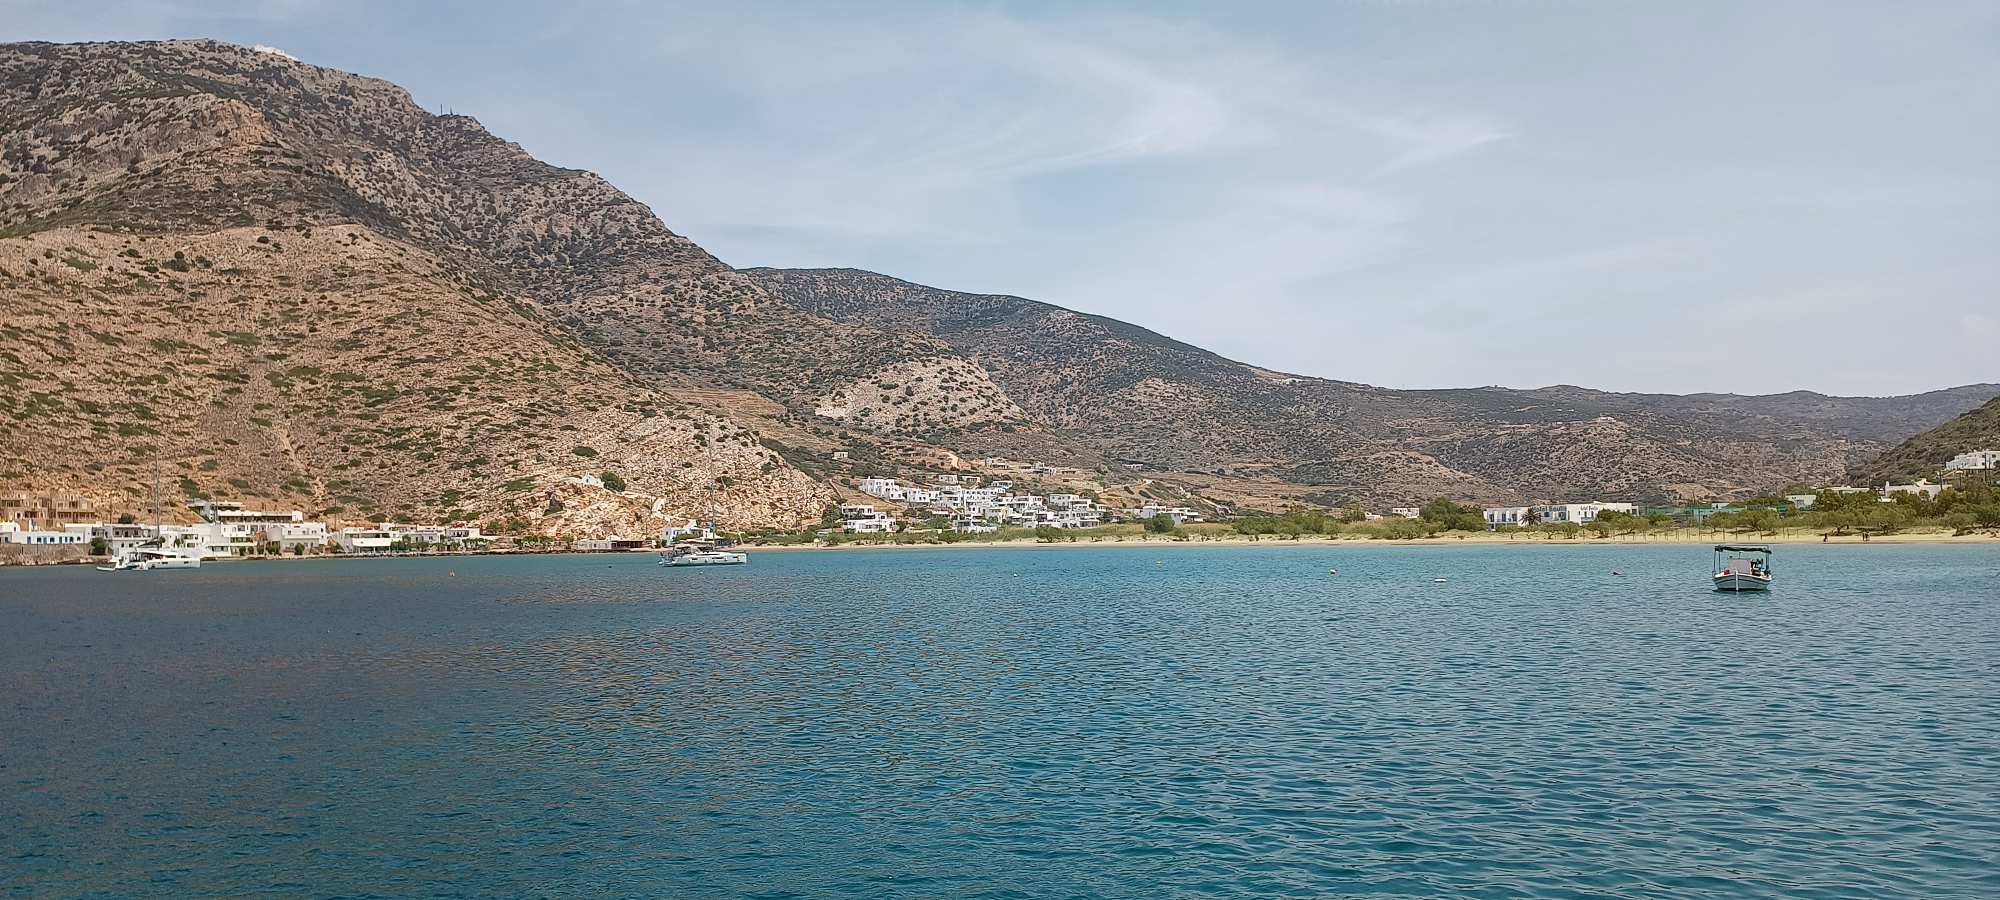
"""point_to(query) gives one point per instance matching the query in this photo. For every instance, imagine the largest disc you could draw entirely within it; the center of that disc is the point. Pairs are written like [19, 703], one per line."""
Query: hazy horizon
[1703, 198]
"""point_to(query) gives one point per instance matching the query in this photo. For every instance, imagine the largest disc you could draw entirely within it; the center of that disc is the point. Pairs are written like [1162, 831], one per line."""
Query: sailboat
[158, 553]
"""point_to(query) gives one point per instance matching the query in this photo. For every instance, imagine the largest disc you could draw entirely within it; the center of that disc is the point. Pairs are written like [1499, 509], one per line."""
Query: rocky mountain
[1146, 399]
[1922, 455]
[292, 285]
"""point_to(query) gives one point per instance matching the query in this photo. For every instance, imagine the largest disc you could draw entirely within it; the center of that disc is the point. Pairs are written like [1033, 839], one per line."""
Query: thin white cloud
[1322, 188]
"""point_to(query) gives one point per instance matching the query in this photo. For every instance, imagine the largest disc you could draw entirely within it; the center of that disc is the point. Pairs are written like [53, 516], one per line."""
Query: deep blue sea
[1132, 722]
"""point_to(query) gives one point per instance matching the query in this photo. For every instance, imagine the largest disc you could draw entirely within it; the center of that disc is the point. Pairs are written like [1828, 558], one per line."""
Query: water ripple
[1000, 723]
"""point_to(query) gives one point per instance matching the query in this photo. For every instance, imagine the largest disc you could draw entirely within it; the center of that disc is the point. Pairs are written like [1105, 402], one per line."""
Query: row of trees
[1433, 518]
[1964, 508]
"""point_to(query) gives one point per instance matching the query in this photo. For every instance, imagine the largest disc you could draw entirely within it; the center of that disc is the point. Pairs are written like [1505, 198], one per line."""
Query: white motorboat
[1742, 569]
[682, 555]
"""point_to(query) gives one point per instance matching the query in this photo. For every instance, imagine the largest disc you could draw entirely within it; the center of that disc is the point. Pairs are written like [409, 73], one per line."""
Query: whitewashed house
[1580, 513]
[1977, 460]
[363, 540]
[1922, 488]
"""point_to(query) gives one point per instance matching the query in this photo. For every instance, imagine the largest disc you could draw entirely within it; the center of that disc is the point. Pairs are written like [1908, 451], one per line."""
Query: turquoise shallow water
[1032, 722]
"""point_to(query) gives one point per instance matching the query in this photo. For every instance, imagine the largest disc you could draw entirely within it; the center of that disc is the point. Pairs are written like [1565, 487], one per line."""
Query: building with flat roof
[1976, 461]
[44, 510]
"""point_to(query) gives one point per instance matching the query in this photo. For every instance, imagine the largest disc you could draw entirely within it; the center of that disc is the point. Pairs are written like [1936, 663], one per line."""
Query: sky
[1672, 197]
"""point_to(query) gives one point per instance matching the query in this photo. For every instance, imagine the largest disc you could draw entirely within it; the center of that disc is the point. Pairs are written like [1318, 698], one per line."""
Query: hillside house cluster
[970, 506]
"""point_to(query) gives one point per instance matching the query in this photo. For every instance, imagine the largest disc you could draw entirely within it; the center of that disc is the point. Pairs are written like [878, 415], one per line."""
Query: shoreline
[1469, 539]
[1482, 539]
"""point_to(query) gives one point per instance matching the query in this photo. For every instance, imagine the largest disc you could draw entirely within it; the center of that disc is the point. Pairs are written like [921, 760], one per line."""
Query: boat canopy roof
[1725, 548]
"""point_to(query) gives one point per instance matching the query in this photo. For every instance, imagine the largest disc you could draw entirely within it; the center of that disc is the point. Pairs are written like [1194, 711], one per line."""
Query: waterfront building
[1411, 512]
[116, 536]
[12, 533]
[864, 518]
[877, 524]
[1497, 516]
[228, 529]
[608, 544]
[364, 540]
[1580, 513]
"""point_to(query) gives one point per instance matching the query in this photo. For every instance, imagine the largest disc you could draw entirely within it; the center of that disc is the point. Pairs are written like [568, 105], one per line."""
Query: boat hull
[147, 562]
[1733, 582]
[706, 559]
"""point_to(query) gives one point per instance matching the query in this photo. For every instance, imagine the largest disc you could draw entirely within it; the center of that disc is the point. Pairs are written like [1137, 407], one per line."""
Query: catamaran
[162, 552]
[1742, 568]
[701, 555]
[148, 557]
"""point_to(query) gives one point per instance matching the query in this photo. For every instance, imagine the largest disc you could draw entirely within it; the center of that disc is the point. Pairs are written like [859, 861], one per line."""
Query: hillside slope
[1136, 395]
[1923, 455]
[294, 285]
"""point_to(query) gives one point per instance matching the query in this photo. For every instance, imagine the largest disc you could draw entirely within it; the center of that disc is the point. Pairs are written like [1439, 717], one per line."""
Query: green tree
[1048, 534]
[1160, 523]
[612, 482]
[1451, 516]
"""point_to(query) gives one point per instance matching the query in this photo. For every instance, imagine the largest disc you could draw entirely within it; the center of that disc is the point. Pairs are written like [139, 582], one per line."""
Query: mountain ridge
[324, 295]
[1003, 331]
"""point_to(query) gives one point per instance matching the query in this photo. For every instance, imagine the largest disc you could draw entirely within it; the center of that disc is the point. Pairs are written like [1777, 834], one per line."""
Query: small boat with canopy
[1742, 568]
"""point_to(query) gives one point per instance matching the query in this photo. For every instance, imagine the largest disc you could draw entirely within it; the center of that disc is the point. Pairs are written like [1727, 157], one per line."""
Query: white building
[13, 533]
[1410, 512]
[1977, 460]
[885, 488]
[364, 540]
[1580, 513]
[1497, 516]
[1922, 488]
[864, 518]
[116, 536]
[689, 532]
[228, 529]
[1179, 514]
[1801, 501]
[971, 507]
[878, 524]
